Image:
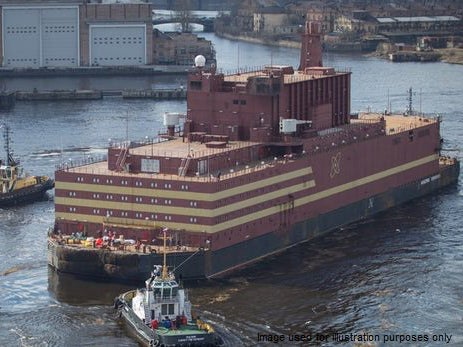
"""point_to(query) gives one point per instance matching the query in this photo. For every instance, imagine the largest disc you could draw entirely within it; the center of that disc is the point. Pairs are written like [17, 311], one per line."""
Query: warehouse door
[21, 38]
[117, 45]
[40, 37]
[60, 37]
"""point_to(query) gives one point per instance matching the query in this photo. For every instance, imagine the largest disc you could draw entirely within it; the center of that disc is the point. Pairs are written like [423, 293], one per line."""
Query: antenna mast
[164, 265]
[238, 58]
[127, 127]
[410, 102]
[9, 155]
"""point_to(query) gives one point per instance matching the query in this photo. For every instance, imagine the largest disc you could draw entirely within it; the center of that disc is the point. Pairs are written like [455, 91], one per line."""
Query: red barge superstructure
[265, 160]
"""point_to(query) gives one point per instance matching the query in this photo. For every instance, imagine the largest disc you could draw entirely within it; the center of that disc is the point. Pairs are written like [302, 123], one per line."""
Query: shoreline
[446, 55]
[9, 98]
[276, 43]
[442, 55]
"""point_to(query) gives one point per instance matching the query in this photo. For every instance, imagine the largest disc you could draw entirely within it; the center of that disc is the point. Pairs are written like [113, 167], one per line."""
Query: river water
[394, 276]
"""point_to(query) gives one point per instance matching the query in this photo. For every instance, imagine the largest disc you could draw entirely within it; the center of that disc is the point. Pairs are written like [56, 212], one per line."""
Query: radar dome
[200, 61]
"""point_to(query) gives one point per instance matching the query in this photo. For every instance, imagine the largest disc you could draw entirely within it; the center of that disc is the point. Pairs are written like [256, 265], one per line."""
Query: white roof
[417, 19]
[386, 20]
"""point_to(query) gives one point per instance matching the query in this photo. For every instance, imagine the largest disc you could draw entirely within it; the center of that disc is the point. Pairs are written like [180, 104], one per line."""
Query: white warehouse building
[38, 34]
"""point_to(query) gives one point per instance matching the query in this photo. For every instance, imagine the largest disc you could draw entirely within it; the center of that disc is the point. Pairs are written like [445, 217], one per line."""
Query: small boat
[160, 313]
[16, 187]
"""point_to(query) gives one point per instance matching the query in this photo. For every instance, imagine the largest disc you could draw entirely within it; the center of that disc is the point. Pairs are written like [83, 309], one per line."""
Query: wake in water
[22, 267]
[24, 340]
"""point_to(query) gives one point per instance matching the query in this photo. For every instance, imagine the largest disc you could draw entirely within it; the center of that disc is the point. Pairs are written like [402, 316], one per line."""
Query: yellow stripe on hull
[185, 195]
[274, 209]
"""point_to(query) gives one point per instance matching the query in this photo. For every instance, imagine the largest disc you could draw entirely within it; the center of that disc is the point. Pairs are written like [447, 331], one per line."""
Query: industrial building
[73, 33]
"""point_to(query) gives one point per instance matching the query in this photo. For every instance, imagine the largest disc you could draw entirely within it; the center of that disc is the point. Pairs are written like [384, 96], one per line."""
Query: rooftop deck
[178, 148]
[397, 123]
[297, 76]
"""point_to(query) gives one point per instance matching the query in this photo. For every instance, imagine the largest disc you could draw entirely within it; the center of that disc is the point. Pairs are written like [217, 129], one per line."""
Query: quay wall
[56, 95]
[59, 95]
[96, 71]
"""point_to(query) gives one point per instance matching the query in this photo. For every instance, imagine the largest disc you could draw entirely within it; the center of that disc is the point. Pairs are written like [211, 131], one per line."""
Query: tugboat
[17, 188]
[160, 313]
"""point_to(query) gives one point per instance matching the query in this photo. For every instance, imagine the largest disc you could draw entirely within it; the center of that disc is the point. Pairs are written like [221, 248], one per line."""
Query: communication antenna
[410, 102]
[388, 106]
[420, 102]
[127, 126]
[61, 149]
[238, 58]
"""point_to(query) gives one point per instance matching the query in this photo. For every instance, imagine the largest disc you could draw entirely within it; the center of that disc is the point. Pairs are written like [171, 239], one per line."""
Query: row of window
[73, 60]
[21, 28]
[58, 31]
[137, 199]
[33, 30]
[145, 216]
[116, 38]
[167, 309]
[22, 32]
[34, 60]
[97, 59]
[138, 215]
[125, 182]
[55, 27]
[95, 43]
[148, 216]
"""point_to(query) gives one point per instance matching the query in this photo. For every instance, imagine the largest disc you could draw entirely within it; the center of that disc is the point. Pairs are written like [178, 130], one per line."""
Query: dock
[47, 95]
[151, 70]
[403, 56]
[57, 95]
[166, 94]
[7, 100]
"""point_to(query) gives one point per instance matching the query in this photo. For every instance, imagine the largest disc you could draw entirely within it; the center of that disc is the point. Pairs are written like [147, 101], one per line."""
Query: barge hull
[244, 253]
[207, 264]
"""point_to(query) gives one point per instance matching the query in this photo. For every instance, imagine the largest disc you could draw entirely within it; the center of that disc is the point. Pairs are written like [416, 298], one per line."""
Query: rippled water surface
[399, 273]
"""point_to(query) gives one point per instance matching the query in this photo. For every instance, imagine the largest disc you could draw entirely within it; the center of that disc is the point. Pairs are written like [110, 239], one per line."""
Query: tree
[183, 13]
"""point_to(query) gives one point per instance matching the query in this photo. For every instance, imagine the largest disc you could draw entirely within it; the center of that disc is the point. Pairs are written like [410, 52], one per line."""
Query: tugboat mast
[9, 155]
[164, 264]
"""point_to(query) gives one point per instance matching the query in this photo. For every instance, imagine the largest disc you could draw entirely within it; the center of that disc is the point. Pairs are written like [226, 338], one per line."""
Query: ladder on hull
[183, 169]
[122, 157]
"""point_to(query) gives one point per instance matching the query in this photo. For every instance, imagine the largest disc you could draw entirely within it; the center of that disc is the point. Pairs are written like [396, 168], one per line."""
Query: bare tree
[183, 13]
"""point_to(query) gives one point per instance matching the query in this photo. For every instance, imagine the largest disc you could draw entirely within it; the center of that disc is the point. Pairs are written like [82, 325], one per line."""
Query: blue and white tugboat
[160, 313]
